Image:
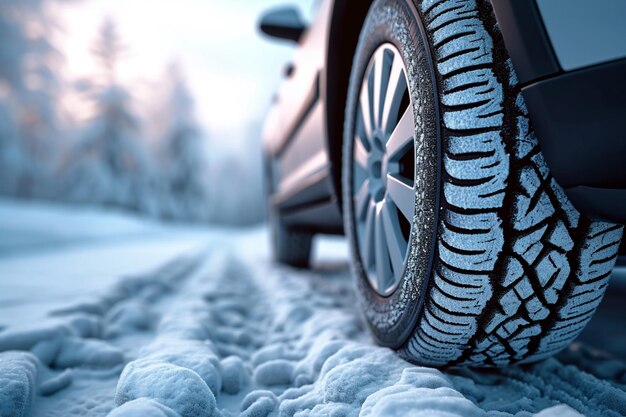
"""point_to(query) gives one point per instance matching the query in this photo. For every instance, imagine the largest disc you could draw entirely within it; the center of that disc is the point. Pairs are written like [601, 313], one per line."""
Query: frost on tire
[518, 271]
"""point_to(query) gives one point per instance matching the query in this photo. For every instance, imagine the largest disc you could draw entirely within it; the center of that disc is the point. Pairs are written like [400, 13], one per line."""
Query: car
[472, 152]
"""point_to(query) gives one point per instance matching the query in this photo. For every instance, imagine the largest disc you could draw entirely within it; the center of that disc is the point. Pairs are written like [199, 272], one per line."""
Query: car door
[294, 132]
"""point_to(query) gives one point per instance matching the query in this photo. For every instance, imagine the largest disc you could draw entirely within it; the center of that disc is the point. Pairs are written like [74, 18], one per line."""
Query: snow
[75, 352]
[56, 383]
[18, 373]
[149, 320]
[235, 375]
[27, 227]
[259, 403]
[559, 410]
[128, 316]
[176, 387]
[41, 244]
[194, 355]
[143, 407]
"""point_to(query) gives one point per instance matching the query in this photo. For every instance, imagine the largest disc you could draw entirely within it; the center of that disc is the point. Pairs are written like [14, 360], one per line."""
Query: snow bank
[400, 401]
[191, 354]
[18, 375]
[259, 403]
[25, 338]
[559, 411]
[143, 407]
[76, 352]
[178, 388]
[358, 380]
[178, 369]
[127, 317]
[56, 383]
[64, 343]
[234, 375]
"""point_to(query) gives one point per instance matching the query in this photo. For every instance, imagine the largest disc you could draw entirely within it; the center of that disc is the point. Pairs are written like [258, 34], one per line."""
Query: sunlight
[232, 71]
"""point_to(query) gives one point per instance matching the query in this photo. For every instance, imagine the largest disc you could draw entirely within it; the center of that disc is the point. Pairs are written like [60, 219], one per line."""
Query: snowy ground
[102, 314]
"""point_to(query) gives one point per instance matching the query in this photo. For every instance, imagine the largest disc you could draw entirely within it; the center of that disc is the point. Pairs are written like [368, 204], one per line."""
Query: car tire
[289, 247]
[499, 266]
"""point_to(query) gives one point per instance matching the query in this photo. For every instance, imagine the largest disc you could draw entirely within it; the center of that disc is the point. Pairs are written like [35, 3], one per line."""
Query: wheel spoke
[360, 153]
[382, 64]
[362, 199]
[366, 243]
[396, 245]
[401, 139]
[361, 130]
[403, 196]
[383, 266]
[366, 110]
[395, 91]
[358, 176]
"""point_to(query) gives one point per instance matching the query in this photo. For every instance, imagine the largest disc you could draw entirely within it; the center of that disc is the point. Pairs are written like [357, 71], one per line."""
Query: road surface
[102, 314]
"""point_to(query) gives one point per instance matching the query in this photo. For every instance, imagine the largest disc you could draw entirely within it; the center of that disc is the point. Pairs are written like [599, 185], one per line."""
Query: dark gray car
[472, 151]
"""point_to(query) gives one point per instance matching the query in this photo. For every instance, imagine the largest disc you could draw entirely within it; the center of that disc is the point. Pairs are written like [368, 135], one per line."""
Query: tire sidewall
[392, 319]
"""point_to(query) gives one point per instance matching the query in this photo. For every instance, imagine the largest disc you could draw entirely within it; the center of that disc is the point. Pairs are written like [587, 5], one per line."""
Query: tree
[108, 50]
[28, 92]
[11, 153]
[110, 165]
[183, 153]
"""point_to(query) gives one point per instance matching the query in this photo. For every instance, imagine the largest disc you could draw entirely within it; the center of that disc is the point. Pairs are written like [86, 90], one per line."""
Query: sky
[232, 71]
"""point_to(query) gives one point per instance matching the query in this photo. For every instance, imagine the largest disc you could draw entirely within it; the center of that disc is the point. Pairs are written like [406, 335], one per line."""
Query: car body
[302, 135]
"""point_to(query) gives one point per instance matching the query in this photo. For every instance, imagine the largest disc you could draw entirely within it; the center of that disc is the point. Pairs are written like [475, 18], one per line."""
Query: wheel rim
[383, 177]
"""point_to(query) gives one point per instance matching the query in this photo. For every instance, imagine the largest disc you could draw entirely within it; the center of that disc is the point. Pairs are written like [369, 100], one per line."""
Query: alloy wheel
[384, 170]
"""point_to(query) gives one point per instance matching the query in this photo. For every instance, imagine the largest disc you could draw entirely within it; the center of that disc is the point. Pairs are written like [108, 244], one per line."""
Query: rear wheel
[290, 247]
[464, 248]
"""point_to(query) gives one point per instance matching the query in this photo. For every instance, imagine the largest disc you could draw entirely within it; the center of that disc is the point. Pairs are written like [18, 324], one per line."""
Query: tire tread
[518, 272]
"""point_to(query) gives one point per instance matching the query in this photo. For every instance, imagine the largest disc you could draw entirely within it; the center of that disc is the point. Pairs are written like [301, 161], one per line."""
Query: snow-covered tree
[108, 50]
[183, 152]
[109, 166]
[28, 92]
[12, 157]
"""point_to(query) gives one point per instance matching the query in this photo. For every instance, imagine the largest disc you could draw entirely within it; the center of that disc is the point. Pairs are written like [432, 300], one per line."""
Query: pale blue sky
[231, 69]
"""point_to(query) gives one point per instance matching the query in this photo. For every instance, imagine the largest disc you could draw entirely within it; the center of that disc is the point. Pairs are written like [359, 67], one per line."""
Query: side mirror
[283, 23]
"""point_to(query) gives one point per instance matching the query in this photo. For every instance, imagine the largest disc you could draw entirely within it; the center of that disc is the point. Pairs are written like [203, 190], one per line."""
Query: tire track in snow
[512, 391]
[272, 341]
[547, 382]
[230, 335]
[81, 349]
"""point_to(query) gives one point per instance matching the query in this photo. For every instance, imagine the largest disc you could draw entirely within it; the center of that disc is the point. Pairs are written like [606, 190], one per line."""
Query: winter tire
[290, 247]
[465, 249]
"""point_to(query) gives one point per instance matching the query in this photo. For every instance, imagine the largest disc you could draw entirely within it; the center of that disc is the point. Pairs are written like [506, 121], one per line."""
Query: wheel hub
[377, 169]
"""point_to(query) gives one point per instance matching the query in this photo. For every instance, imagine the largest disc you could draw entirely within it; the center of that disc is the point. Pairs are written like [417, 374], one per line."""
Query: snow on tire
[515, 271]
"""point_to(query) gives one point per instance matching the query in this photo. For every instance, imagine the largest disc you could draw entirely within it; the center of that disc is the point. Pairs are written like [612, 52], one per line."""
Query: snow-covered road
[105, 315]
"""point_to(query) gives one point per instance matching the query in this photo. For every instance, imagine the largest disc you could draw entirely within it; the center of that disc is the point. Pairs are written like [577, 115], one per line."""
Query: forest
[98, 149]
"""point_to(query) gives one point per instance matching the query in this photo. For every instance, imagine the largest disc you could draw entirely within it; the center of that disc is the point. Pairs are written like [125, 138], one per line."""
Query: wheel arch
[345, 25]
